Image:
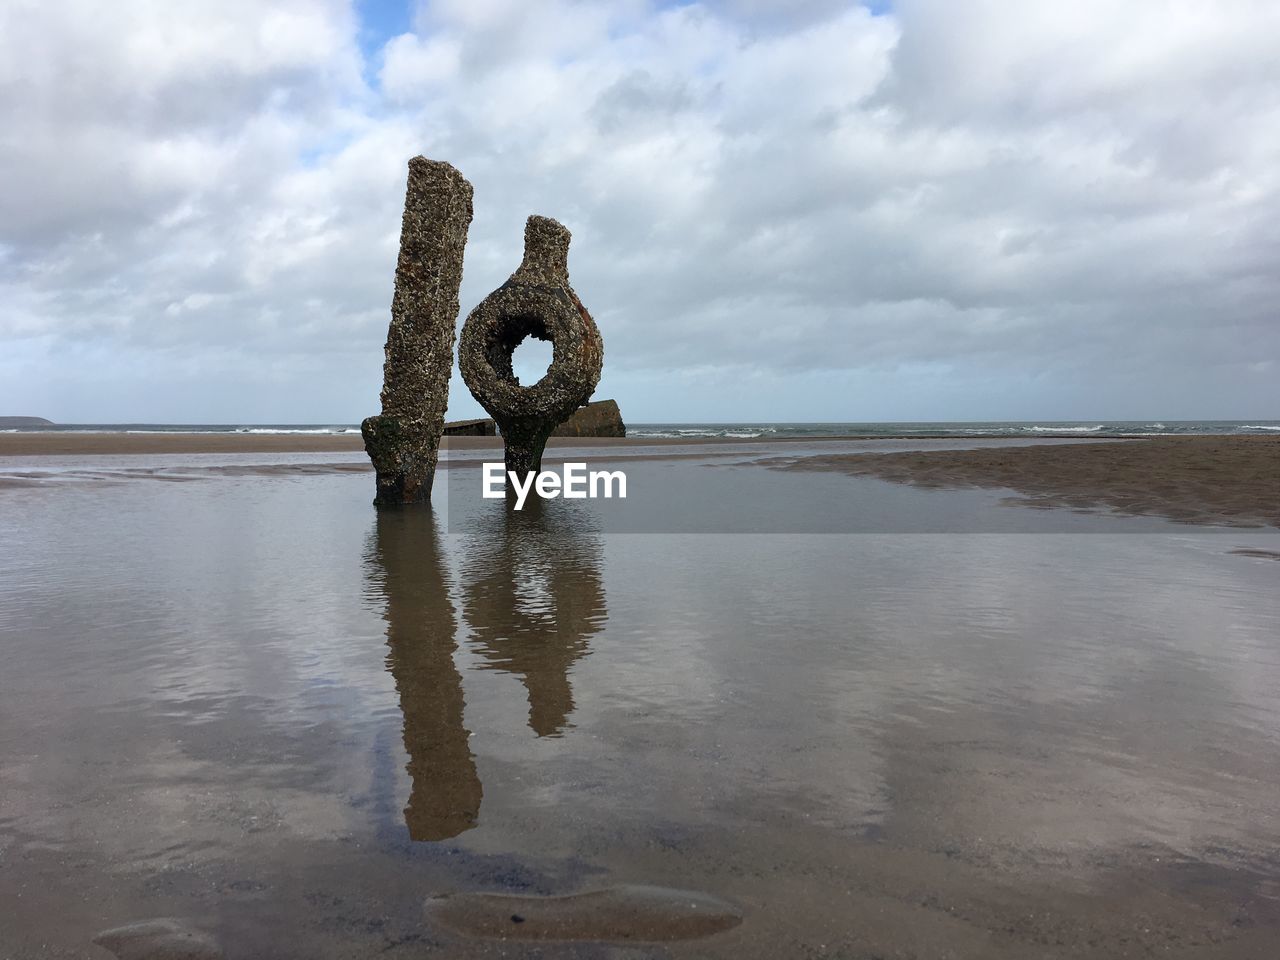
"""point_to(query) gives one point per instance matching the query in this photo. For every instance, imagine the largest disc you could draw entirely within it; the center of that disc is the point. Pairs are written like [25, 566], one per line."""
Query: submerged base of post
[403, 458]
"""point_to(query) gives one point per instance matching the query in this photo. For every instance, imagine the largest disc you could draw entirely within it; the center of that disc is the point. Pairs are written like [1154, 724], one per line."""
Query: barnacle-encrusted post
[404, 441]
[536, 301]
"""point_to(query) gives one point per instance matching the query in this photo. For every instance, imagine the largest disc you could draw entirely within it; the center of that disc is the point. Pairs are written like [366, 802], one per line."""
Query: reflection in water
[1067, 738]
[405, 564]
[533, 597]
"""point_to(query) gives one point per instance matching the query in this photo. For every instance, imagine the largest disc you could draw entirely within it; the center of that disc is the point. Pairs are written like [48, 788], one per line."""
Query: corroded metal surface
[404, 440]
[536, 301]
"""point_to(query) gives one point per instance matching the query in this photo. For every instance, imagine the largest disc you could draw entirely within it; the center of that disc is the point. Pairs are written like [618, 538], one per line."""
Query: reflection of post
[533, 598]
[444, 799]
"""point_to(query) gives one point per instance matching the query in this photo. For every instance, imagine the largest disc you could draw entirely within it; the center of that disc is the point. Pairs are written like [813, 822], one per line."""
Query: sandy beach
[237, 696]
[1232, 481]
[609, 481]
[1219, 480]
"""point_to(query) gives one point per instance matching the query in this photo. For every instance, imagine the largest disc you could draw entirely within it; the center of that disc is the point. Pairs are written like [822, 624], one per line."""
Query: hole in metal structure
[531, 359]
[536, 301]
[503, 339]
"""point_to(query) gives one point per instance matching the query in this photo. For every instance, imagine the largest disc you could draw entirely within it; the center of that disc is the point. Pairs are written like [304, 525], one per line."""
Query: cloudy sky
[781, 209]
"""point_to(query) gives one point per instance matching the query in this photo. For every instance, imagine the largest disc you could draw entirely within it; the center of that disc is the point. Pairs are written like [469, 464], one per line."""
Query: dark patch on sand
[162, 939]
[626, 913]
[1223, 481]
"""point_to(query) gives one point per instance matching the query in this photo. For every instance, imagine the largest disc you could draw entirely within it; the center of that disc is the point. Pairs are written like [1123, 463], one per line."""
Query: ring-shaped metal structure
[536, 301]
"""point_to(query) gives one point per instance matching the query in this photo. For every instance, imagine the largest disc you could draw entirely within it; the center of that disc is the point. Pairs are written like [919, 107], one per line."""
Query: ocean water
[1001, 428]
[757, 430]
[245, 699]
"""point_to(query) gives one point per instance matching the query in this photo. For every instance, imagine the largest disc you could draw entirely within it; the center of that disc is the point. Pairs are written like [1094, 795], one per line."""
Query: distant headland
[24, 422]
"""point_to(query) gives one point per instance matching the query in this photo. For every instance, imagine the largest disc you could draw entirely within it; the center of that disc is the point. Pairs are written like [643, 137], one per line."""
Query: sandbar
[1228, 481]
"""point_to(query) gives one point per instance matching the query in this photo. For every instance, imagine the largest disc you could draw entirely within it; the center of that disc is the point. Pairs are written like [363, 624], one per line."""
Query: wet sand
[292, 724]
[1207, 480]
[620, 914]
[1228, 481]
[60, 443]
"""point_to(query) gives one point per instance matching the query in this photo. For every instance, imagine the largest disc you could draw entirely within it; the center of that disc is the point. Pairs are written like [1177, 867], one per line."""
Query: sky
[782, 210]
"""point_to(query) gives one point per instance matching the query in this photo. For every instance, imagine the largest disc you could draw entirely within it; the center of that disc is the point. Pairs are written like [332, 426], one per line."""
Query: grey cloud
[639, 100]
[1045, 202]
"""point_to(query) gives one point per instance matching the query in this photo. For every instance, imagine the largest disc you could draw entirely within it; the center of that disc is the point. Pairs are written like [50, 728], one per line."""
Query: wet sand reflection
[407, 565]
[533, 597]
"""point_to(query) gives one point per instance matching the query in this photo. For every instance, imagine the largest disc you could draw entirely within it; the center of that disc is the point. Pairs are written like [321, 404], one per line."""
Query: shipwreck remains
[404, 440]
[536, 301]
[471, 428]
[599, 418]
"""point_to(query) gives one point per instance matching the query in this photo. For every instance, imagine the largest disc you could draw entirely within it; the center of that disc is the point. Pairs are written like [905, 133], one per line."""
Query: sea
[765, 431]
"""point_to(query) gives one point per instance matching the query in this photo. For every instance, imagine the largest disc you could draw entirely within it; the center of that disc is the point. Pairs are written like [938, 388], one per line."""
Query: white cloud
[1057, 202]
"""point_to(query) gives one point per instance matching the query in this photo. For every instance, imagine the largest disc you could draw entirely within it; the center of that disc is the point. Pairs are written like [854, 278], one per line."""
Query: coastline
[35, 443]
